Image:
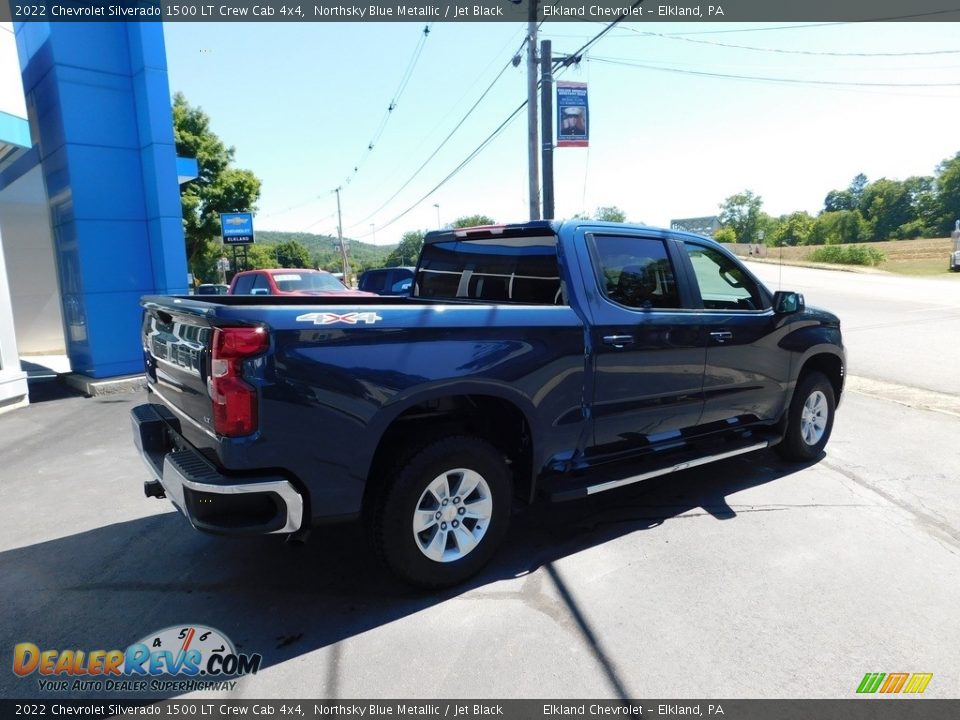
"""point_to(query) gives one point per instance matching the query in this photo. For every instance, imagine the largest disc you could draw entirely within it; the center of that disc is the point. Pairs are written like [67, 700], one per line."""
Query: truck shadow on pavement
[111, 586]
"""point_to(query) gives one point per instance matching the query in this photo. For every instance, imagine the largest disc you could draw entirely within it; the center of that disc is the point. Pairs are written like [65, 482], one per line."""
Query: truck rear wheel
[809, 419]
[443, 514]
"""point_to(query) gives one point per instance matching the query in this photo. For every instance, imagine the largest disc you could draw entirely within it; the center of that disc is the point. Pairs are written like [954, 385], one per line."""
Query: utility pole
[532, 111]
[343, 249]
[546, 124]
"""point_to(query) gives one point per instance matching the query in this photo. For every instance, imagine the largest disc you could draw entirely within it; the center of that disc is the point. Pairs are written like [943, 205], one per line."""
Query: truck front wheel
[809, 419]
[442, 515]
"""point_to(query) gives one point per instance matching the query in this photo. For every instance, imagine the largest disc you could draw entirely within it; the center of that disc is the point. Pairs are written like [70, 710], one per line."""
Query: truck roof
[540, 227]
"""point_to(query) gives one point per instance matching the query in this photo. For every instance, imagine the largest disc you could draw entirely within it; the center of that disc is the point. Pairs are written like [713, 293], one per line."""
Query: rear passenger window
[519, 270]
[635, 272]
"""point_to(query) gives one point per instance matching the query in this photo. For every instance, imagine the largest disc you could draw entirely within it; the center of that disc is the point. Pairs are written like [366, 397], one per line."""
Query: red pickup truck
[289, 281]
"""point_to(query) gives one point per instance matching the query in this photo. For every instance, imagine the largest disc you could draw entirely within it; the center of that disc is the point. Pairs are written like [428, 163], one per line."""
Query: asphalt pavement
[748, 578]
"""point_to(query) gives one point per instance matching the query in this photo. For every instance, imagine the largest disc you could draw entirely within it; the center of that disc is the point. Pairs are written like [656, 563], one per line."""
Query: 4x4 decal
[351, 318]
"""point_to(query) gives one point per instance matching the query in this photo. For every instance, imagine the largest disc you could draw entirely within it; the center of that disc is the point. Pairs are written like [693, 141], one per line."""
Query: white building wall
[32, 279]
[13, 108]
[13, 381]
[12, 101]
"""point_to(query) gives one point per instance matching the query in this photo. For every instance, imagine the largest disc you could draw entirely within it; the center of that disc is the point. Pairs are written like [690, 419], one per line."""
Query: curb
[819, 266]
[917, 398]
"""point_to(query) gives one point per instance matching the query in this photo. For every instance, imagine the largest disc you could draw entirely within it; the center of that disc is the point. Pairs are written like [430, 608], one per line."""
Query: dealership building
[90, 215]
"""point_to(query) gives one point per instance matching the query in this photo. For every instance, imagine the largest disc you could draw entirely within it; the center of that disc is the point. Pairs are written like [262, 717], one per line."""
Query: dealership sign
[236, 228]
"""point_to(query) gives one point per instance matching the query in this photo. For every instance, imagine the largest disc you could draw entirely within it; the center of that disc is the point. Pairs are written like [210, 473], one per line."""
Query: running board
[584, 491]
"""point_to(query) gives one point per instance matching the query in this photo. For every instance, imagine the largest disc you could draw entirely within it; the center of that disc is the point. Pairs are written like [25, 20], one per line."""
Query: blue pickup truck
[542, 360]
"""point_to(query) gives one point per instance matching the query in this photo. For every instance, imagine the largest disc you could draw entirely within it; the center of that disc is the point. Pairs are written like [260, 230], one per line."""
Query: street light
[437, 206]
[373, 228]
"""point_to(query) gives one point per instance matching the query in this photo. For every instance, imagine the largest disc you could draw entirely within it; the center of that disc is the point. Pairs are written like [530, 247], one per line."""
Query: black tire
[405, 498]
[798, 444]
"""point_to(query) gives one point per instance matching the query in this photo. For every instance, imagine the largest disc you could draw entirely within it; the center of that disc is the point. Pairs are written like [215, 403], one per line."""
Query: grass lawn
[927, 256]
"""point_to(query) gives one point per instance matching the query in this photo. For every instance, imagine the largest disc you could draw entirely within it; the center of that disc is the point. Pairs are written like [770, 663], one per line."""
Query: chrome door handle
[722, 335]
[618, 341]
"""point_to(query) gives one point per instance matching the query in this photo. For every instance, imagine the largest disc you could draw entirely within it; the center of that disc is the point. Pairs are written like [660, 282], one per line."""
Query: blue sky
[301, 102]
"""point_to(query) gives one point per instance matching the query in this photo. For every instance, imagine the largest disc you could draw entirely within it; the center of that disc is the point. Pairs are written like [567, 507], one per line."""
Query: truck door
[746, 371]
[649, 352]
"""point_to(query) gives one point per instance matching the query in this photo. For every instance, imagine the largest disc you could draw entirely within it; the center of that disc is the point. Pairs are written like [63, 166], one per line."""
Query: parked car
[541, 360]
[388, 281]
[212, 289]
[289, 281]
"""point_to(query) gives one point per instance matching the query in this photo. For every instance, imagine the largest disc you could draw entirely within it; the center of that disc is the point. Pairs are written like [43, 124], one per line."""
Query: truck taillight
[234, 401]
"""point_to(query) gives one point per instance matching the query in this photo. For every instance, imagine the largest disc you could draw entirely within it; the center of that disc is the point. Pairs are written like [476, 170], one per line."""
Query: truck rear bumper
[211, 501]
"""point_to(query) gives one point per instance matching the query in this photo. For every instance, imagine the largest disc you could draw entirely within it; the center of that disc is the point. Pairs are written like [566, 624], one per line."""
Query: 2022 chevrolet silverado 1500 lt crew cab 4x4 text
[539, 360]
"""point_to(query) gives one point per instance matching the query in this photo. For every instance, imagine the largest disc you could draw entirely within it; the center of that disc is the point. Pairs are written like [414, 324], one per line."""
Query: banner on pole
[573, 120]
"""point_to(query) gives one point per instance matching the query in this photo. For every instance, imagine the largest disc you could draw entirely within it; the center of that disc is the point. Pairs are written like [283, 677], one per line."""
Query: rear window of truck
[520, 270]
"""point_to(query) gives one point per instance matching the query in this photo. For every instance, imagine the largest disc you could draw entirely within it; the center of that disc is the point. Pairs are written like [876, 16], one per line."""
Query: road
[897, 329]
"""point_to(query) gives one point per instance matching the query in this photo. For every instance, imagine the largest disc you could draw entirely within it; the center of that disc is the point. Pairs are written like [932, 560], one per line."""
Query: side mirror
[786, 302]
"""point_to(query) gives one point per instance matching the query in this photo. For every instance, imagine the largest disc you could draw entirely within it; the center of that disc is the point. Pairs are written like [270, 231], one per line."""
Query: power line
[293, 207]
[383, 123]
[891, 18]
[444, 141]
[492, 136]
[791, 52]
[442, 122]
[764, 29]
[793, 81]
[476, 151]
[394, 101]
[608, 28]
[317, 222]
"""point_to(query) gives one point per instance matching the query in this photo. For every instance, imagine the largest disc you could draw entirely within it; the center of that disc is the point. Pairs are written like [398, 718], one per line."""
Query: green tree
[610, 213]
[837, 228]
[742, 212]
[947, 195]
[924, 204]
[793, 229]
[473, 221]
[218, 187]
[604, 213]
[886, 205]
[857, 186]
[839, 200]
[848, 199]
[408, 251]
[292, 254]
[260, 256]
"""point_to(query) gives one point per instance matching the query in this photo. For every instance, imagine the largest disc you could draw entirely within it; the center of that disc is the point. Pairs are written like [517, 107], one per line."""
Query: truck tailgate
[176, 343]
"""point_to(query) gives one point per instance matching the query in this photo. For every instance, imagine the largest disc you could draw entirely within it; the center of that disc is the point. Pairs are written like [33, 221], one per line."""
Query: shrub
[848, 255]
[725, 235]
